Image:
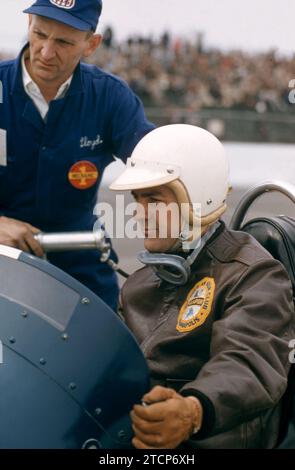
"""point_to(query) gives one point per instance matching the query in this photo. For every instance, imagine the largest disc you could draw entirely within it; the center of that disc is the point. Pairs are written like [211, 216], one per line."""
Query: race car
[70, 370]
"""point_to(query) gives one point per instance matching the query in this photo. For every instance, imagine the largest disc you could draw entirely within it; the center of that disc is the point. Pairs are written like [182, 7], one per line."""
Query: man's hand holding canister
[19, 235]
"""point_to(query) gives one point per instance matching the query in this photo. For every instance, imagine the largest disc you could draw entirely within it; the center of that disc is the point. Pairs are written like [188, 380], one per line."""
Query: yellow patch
[197, 306]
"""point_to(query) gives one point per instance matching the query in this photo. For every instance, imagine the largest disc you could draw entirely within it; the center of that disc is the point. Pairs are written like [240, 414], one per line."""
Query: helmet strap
[175, 269]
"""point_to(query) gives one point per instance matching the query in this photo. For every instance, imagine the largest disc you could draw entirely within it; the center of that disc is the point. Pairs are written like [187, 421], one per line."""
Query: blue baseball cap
[80, 14]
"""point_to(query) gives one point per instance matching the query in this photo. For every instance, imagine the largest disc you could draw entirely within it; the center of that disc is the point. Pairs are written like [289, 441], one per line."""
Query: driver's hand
[167, 421]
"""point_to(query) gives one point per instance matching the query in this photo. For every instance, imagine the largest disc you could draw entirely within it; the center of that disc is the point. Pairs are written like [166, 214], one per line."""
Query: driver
[211, 309]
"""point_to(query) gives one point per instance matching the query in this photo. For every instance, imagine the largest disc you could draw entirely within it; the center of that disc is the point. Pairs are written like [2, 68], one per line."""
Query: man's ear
[93, 43]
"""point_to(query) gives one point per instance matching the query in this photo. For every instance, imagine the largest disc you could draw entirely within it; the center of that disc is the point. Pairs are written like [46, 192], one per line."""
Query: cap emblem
[66, 4]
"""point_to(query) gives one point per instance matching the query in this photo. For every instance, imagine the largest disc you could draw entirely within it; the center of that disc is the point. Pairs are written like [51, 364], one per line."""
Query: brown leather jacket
[222, 337]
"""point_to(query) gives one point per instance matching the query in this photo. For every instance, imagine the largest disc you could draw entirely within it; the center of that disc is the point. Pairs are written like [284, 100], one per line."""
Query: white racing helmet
[192, 162]
[188, 159]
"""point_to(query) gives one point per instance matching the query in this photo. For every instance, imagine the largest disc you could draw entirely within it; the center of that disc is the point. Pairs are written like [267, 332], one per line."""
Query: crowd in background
[173, 72]
[176, 72]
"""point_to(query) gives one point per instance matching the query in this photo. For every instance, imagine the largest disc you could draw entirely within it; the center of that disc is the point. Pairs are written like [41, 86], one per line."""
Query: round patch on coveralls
[197, 306]
[83, 175]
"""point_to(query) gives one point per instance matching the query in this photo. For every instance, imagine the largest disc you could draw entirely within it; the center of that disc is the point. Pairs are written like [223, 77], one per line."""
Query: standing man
[61, 123]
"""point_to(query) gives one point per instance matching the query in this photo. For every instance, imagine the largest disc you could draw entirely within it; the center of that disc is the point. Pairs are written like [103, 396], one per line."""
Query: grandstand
[238, 96]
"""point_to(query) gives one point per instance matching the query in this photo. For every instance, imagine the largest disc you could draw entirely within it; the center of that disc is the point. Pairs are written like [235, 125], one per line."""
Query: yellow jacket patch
[197, 306]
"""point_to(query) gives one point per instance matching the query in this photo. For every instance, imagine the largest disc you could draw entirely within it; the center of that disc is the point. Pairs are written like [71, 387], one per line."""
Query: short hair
[89, 33]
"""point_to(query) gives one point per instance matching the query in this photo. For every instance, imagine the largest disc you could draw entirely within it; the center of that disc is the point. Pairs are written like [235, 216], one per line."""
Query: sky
[252, 25]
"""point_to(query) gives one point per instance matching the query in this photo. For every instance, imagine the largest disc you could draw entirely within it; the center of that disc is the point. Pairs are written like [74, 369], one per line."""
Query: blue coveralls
[34, 186]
